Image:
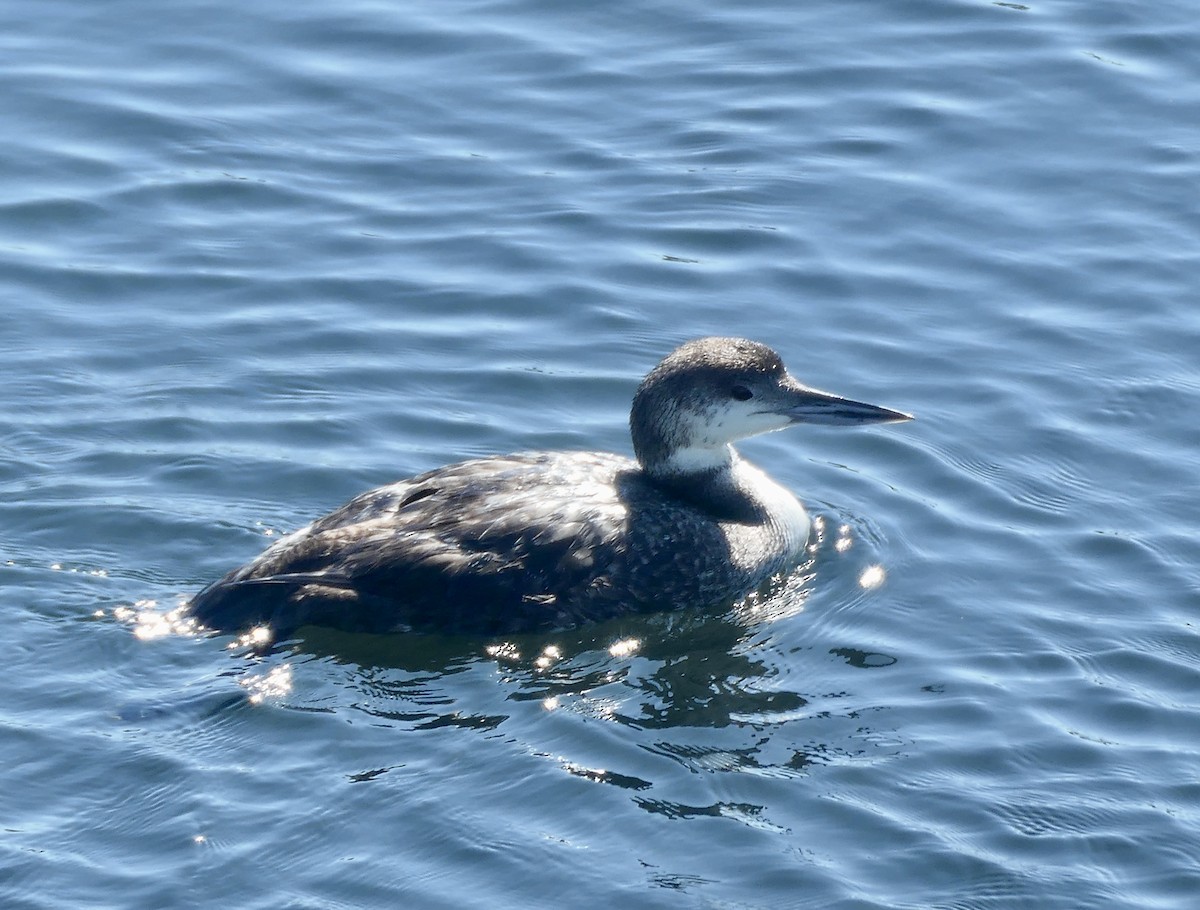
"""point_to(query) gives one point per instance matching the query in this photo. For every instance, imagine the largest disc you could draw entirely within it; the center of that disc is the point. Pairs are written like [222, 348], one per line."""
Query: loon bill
[548, 540]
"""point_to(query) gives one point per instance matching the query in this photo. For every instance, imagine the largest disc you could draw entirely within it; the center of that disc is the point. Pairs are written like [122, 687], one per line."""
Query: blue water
[256, 258]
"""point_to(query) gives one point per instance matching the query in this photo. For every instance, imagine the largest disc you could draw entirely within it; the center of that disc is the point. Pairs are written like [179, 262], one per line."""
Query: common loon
[548, 540]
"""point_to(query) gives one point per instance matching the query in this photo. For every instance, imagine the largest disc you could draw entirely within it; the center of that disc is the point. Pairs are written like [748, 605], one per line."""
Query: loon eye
[741, 393]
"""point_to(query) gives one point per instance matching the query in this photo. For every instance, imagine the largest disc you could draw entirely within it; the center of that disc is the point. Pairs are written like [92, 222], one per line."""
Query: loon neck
[710, 480]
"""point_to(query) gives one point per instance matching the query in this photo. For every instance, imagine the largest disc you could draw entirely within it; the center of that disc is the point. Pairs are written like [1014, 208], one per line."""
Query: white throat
[700, 459]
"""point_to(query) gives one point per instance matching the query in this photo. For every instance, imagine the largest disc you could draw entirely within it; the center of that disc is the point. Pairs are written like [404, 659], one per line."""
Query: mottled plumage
[548, 540]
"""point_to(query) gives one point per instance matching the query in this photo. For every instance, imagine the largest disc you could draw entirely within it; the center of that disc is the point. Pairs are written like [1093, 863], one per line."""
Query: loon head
[709, 392]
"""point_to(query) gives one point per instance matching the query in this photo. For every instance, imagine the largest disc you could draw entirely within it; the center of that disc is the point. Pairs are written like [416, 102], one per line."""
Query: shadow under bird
[548, 540]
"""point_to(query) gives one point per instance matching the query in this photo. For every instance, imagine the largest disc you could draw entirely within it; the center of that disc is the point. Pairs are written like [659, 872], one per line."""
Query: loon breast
[764, 547]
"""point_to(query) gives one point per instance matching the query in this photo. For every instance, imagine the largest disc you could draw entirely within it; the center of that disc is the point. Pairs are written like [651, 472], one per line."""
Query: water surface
[258, 259]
